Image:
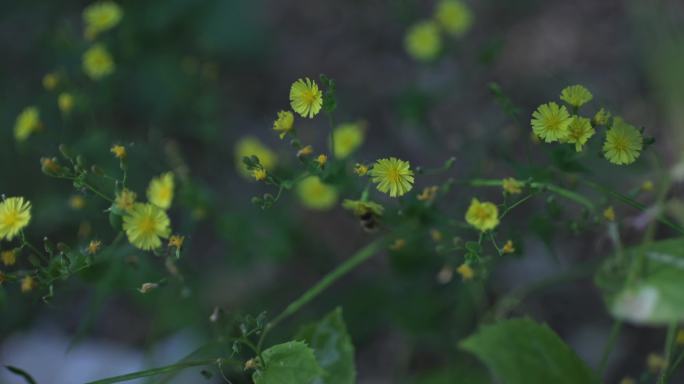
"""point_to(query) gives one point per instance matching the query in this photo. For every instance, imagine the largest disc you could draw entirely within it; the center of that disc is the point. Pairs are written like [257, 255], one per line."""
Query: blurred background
[193, 77]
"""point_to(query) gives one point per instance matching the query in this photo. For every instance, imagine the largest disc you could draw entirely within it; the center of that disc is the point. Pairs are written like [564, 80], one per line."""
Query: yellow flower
[508, 247]
[609, 214]
[656, 362]
[50, 81]
[125, 200]
[259, 174]
[623, 143]
[284, 123]
[423, 41]
[550, 122]
[454, 17]
[65, 102]
[27, 122]
[93, 247]
[321, 160]
[347, 138]
[160, 190]
[176, 241]
[361, 169]
[97, 62]
[397, 245]
[579, 132]
[315, 194]
[145, 225]
[483, 216]
[601, 117]
[576, 95]
[9, 257]
[512, 186]
[393, 176]
[305, 151]
[428, 193]
[27, 284]
[119, 151]
[15, 215]
[647, 186]
[680, 337]
[77, 202]
[361, 208]
[305, 98]
[101, 16]
[251, 146]
[465, 271]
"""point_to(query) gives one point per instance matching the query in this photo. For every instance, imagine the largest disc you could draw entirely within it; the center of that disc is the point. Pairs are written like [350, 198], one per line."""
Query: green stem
[161, 370]
[331, 121]
[669, 349]
[610, 344]
[539, 186]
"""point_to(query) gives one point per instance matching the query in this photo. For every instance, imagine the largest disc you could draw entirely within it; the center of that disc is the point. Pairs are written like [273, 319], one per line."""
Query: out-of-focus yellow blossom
[27, 123]
[512, 186]
[361, 169]
[347, 138]
[623, 143]
[576, 95]
[609, 214]
[125, 200]
[454, 17]
[647, 186]
[436, 235]
[65, 102]
[50, 166]
[260, 174]
[50, 81]
[466, 272]
[550, 122]
[146, 225]
[321, 160]
[77, 202]
[93, 247]
[251, 146]
[97, 62]
[579, 132]
[602, 117]
[428, 193]
[15, 215]
[315, 194]
[423, 41]
[9, 257]
[482, 215]
[284, 123]
[176, 241]
[509, 247]
[119, 151]
[679, 339]
[160, 190]
[656, 362]
[27, 284]
[101, 16]
[305, 97]
[305, 151]
[392, 176]
[397, 245]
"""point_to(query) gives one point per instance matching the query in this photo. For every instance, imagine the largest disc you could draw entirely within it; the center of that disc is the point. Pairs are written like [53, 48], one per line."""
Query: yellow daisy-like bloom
[360, 208]
[393, 176]
[602, 117]
[27, 122]
[125, 200]
[119, 151]
[454, 17]
[550, 122]
[176, 241]
[576, 95]
[623, 143]
[305, 97]
[361, 169]
[50, 81]
[9, 258]
[512, 186]
[465, 271]
[423, 41]
[348, 137]
[251, 146]
[101, 16]
[27, 284]
[315, 194]
[65, 102]
[509, 247]
[483, 216]
[146, 225]
[579, 132]
[15, 215]
[97, 62]
[93, 247]
[260, 174]
[322, 159]
[160, 190]
[428, 193]
[609, 214]
[284, 123]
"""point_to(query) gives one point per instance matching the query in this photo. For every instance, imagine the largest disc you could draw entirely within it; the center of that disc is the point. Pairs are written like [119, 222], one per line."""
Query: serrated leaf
[333, 348]
[521, 351]
[656, 297]
[288, 363]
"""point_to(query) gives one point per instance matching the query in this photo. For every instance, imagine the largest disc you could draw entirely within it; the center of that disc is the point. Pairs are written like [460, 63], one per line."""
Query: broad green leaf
[655, 298]
[333, 348]
[288, 363]
[521, 351]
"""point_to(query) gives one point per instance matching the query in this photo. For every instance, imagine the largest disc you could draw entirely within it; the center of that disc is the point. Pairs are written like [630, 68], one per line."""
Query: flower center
[147, 226]
[393, 175]
[10, 219]
[620, 144]
[482, 214]
[308, 96]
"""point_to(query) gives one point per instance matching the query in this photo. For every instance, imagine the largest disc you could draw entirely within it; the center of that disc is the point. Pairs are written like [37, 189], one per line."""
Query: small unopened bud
[251, 364]
[306, 151]
[146, 287]
[50, 167]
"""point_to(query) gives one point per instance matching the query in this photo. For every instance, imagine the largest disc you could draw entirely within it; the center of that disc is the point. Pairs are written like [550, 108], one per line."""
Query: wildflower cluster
[556, 123]
[423, 40]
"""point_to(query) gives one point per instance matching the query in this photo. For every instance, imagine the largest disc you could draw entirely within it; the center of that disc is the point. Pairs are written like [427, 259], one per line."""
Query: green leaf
[288, 363]
[333, 348]
[22, 373]
[656, 297]
[521, 351]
